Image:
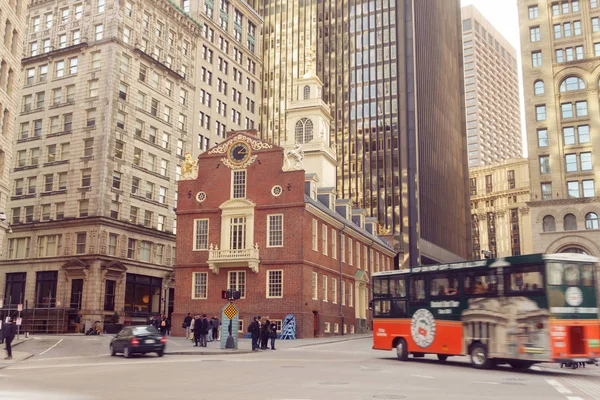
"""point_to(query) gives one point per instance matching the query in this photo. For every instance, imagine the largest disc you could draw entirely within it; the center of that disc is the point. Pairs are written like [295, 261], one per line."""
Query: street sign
[19, 321]
[19, 307]
[230, 311]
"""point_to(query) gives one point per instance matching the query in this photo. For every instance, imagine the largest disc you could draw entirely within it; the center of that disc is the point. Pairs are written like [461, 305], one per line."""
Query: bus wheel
[401, 349]
[442, 357]
[520, 365]
[479, 357]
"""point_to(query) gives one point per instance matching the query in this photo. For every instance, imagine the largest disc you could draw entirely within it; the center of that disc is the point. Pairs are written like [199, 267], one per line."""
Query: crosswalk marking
[559, 387]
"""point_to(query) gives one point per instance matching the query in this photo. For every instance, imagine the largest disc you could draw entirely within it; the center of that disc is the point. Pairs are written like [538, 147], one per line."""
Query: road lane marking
[536, 368]
[559, 387]
[574, 398]
[487, 383]
[423, 376]
[47, 350]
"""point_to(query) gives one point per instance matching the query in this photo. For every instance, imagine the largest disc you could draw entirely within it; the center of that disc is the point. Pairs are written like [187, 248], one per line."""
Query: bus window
[381, 308]
[399, 309]
[380, 288]
[481, 283]
[572, 274]
[417, 289]
[397, 287]
[527, 279]
[443, 287]
[587, 275]
[555, 273]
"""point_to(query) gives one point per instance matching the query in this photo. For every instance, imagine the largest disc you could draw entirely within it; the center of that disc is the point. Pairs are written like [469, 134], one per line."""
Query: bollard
[26, 335]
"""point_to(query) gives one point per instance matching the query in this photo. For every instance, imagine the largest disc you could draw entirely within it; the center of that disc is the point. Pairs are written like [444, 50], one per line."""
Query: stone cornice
[562, 202]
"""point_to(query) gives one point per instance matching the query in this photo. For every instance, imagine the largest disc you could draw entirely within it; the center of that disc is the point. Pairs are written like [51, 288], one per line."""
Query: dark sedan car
[138, 340]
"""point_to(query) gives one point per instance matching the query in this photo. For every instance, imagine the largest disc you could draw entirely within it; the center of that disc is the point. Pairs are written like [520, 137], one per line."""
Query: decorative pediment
[255, 144]
[361, 277]
[113, 270]
[75, 268]
[237, 204]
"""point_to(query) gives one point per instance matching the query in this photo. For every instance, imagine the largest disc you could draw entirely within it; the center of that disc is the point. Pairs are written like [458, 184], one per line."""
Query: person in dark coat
[187, 323]
[254, 330]
[197, 330]
[9, 330]
[163, 324]
[215, 328]
[204, 330]
[265, 335]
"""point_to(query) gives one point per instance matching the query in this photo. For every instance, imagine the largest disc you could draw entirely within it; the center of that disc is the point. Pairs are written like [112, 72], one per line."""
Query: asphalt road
[79, 368]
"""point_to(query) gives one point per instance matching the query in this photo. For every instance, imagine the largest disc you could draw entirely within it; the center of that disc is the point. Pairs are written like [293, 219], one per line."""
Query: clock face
[239, 152]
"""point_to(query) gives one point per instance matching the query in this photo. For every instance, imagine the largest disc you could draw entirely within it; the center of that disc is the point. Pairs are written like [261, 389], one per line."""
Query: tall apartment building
[392, 74]
[491, 91]
[13, 14]
[500, 217]
[115, 94]
[560, 51]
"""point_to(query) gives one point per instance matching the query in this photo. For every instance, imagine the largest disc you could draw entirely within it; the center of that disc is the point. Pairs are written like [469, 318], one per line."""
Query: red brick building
[265, 220]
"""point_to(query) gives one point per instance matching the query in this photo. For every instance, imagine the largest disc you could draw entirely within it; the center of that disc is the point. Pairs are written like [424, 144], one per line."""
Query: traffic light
[225, 294]
[230, 294]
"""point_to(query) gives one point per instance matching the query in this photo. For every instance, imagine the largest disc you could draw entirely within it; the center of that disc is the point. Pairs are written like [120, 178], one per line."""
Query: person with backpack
[254, 330]
[163, 326]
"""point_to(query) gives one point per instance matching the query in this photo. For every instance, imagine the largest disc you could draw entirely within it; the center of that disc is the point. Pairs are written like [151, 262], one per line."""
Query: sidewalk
[182, 346]
[18, 356]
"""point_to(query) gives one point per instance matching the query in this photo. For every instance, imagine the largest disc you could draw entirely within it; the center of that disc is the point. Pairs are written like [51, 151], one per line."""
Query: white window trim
[269, 230]
[334, 293]
[245, 183]
[325, 288]
[334, 244]
[351, 295]
[336, 328]
[350, 251]
[207, 234]
[324, 236]
[315, 235]
[194, 286]
[315, 286]
[240, 322]
[327, 328]
[237, 280]
[267, 285]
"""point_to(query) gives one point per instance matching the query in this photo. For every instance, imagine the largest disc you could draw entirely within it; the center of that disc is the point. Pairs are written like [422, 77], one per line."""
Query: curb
[17, 362]
[205, 353]
[329, 342]
[21, 342]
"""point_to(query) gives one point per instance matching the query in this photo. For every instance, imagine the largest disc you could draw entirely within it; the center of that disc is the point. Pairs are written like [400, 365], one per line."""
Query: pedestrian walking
[197, 323]
[204, 330]
[215, 328]
[254, 330]
[209, 337]
[273, 334]
[187, 323]
[77, 323]
[163, 326]
[9, 330]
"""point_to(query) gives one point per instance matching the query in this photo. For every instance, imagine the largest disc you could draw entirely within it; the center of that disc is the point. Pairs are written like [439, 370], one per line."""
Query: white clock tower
[308, 126]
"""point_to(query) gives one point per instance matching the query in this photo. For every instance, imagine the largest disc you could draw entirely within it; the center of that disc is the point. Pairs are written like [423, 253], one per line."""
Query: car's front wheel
[112, 351]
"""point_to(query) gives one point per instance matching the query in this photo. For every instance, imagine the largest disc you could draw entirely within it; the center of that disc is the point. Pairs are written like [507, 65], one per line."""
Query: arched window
[538, 87]
[304, 131]
[570, 222]
[591, 221]
[306, 92]
[5, 122]
[573, 250]
[15, 42]
[572, 83]
[7, 31]
[549, 224]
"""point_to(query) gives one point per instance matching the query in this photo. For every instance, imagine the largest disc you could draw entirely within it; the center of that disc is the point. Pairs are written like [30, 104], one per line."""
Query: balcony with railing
[226, 258]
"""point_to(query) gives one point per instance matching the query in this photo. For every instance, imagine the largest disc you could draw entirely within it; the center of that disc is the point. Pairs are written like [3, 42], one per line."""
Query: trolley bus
[518, 310]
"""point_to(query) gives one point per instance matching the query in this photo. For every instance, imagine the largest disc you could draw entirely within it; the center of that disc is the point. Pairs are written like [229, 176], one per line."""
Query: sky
[504, 15]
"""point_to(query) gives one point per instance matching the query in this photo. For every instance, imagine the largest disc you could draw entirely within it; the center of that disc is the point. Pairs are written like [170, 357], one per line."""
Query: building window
[343, 293]
[572, 83]
[239, 185]
[547, 191]
[573, 189]
[306, 92]
[334, 244]
[315, 286]
[275, 230]
[324, 289]
[201, 234]
[304, 131]
[544, 164]
[109, 295]
[112, 244]
[540, 112]
[591, 221]
[534, 34]
[511, 178]
[542, 137]
[145, 248]
[570, 222]
[237, 281]
[84, 206]
[18, 248]
[131, 247]
[538, 87]
[45, 288]
[536, 59]
[533, 12]
[588, 188]
[324, 237]
[275, 284]
[549, 224]
[315, 235]
[583, 133]
[14, 289]
[81, 241]
[570, 161]
[488, 184]
[200, 287]
[334, 294]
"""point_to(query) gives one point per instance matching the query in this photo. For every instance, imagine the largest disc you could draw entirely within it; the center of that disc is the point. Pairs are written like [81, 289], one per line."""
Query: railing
[233, 257]
[217, 254]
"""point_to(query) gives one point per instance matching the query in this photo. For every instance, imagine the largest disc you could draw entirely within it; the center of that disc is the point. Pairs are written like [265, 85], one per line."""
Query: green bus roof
[527, 259]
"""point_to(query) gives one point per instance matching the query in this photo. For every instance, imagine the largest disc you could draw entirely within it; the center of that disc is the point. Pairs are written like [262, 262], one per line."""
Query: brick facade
[296, 257]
